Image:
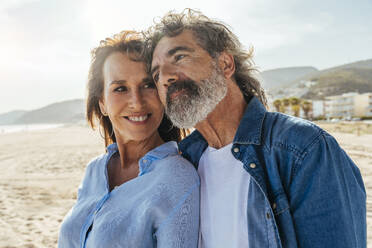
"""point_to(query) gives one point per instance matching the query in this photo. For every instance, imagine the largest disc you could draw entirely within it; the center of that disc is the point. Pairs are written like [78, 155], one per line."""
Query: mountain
[61, 112]
[339, 81]
[353, 77]
[277, 77]
[367, 64]
[10, 117]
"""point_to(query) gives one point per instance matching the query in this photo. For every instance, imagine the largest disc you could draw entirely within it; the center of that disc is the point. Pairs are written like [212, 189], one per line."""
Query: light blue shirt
[159, 208]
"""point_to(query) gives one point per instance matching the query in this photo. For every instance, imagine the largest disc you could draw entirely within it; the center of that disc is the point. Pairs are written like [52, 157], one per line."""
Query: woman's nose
[136, 100]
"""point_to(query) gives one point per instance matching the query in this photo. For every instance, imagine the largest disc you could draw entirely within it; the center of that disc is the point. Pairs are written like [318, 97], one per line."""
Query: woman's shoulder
[96, 163]
[176, 169]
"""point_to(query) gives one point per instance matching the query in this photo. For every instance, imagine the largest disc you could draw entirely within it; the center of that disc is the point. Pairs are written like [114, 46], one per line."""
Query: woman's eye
[120, 89]
[149, 85]
[179, 57]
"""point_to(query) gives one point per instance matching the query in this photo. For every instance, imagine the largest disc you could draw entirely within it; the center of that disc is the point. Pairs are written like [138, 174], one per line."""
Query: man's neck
[221, 124]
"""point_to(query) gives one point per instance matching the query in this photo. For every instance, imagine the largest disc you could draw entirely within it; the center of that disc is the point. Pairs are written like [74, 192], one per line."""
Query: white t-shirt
[224, 196]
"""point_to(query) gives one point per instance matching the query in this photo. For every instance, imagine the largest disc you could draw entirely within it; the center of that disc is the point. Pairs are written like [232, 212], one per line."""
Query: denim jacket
[304, 190]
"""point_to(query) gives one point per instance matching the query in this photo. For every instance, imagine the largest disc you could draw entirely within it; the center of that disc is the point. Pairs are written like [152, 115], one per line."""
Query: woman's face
[130, 99]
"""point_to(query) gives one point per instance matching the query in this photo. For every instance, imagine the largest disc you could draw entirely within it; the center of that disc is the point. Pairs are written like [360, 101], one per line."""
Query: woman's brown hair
[130, 43]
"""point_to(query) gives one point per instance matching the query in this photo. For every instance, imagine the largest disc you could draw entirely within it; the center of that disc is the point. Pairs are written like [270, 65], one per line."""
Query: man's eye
[179, 57]
[156, 77]
[120, 89]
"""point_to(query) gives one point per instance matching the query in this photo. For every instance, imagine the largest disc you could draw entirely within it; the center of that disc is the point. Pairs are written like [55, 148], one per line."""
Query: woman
[141, 192]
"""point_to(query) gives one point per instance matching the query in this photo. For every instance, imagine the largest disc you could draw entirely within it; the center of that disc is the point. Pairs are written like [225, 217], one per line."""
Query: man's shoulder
[193, 146]
[293, 133]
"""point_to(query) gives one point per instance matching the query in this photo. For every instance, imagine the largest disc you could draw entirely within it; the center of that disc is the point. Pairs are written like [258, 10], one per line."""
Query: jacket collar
[250, 127]
[249, 132]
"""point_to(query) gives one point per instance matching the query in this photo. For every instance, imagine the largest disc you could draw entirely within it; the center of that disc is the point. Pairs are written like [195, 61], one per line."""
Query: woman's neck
[131, 151]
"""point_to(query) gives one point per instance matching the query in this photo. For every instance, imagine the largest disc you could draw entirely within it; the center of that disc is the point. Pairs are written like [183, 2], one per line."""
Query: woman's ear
[227, 64]
[102, 107]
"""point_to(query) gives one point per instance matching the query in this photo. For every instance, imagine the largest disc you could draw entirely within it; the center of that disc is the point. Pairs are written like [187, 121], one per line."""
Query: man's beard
[197, 101]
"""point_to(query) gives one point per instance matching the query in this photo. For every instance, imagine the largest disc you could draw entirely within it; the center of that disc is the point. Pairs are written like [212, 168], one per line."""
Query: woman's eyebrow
[118, 82]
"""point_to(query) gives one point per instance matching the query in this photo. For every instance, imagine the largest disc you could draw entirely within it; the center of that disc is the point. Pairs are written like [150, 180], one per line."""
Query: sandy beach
[41, 171]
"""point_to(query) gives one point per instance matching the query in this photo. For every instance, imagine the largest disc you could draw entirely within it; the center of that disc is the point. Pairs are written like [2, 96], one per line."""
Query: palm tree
[307, 107]
[295, 105]
[277, 104]
[286, 103]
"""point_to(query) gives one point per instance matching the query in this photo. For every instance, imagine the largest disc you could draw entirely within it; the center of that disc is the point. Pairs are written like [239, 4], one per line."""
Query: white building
[318, 108]
[368, 111]
[348, 105]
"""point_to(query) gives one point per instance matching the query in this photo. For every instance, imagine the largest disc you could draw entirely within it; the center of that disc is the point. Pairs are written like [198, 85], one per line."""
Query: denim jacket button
[252, 165]
[268, 215]
[274, 205]
[236, 149]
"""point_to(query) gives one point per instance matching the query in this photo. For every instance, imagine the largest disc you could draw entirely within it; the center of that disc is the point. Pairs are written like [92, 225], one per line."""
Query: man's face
[190, 83]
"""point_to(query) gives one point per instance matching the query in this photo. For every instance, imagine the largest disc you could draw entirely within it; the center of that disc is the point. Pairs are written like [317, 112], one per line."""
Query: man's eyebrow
[180, 48]
[154, 69]
[172, 52]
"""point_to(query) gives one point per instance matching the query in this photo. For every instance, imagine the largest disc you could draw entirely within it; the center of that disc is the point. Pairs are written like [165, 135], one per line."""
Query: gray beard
[189, 109]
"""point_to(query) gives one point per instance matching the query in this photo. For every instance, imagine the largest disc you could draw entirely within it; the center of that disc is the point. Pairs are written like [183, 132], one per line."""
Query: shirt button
[236, 149]
[274, 205]
[252, 165]
[145, 161]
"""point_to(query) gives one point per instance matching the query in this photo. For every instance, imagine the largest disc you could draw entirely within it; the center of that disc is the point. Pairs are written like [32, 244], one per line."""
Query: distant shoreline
[4, 129]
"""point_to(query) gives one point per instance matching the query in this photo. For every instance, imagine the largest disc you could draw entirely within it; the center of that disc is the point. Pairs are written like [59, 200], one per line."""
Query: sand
[41, 171]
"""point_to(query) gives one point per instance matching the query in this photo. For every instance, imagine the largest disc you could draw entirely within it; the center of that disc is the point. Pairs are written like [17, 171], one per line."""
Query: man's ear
[227, 64]
[102, 107]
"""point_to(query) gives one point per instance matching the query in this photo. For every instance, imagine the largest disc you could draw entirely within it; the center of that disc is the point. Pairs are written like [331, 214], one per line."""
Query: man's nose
[167, 76]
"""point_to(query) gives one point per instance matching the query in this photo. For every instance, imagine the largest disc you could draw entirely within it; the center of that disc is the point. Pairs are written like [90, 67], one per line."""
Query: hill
[10, 117]
[277, 77]
[353, 77]
[339, 81]
[61, 112]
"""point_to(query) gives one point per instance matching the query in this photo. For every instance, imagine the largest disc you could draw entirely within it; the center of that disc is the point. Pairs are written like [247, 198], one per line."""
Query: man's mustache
[189, 85]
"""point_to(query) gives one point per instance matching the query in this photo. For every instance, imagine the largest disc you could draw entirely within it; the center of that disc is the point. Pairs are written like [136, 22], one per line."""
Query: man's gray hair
[215, 37]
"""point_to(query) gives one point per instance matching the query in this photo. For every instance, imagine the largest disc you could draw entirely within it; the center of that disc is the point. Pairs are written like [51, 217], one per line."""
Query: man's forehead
[186, 38]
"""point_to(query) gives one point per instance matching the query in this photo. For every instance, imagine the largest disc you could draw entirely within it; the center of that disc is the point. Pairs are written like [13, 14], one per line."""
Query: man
[267, 179]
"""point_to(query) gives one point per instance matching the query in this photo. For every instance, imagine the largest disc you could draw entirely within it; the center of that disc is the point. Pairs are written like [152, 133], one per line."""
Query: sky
[45, 44]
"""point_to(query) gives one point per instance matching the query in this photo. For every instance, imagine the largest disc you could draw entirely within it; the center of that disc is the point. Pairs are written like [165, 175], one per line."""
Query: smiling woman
[133, 49]
[130, 99]
[136, 193]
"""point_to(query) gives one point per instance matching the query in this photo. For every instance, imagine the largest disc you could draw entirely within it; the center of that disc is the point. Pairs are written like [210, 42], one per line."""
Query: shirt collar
[250, 127]
[160, 152]
[112, 148]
